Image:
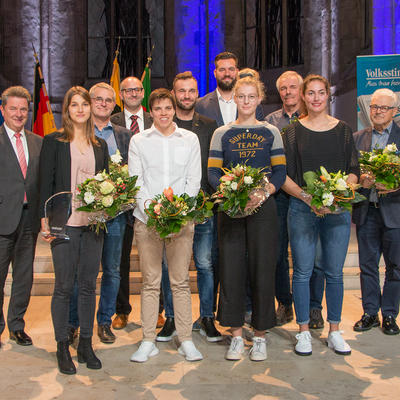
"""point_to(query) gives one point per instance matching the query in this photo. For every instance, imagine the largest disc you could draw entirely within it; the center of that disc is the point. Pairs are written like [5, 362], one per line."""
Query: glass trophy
[57, 210]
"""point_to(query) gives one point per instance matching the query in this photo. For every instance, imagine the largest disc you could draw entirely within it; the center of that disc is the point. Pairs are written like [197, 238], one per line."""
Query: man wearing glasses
[136, 120]
[377, 221]
[117, 138]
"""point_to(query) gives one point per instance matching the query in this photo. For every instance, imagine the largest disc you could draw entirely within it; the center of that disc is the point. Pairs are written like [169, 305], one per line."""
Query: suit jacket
[55, 166]
[208, 105]
[13, 185]
[119, 119]
[204, 128]
[122, 137]
[389, 204]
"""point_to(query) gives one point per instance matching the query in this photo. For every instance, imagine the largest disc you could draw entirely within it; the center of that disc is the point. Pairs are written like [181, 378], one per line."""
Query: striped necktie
[134, 125]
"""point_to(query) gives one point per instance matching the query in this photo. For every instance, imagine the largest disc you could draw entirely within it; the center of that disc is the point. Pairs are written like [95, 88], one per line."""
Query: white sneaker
[303, 346]
[236, 349]
[338, 344]
[188, 349]
[145, 350]
[259, 350]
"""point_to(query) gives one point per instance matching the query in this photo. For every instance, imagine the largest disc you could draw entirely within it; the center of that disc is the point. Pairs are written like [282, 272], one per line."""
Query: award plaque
[57, 210]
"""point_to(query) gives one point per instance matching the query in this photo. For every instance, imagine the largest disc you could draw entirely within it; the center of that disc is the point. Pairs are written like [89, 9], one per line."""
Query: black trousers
[18, 249]
[80, 256]
[248, 250]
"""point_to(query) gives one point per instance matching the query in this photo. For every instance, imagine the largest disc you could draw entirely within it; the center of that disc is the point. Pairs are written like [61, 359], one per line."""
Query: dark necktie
[134, 124]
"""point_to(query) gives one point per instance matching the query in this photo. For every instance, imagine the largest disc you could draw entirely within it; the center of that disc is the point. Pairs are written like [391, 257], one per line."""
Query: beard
[226, 86]
[182, 106]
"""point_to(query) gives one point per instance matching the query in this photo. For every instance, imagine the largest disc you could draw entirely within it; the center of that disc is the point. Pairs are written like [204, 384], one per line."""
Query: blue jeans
[317, 281]
[203, 259]
[334, 233]
[110, 261]
[282, 278]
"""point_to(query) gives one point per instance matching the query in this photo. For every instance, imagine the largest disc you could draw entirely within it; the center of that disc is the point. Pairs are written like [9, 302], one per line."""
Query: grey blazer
[119, 119]
[389, 204]
[13, 185]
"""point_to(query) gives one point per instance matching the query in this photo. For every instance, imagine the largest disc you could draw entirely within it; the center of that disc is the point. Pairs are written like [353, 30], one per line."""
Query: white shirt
[140, 119]
[228, 108]
[161, 161]
[13, 141]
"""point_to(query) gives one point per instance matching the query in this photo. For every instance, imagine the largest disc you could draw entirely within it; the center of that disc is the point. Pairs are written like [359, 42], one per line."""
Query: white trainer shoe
[236, 349]
[338, 344]
[303, 346]
[189, 351]
[145, 350]
[259, 350]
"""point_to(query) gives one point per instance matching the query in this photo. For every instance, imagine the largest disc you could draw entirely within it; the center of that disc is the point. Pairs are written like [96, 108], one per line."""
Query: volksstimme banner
[375, 72]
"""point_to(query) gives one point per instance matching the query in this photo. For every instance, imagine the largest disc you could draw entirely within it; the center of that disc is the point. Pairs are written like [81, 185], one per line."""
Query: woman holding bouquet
[314, 141]
[68, 158]
[248, 245]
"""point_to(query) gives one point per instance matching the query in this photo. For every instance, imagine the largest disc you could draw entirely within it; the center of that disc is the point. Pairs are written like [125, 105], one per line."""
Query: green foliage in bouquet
[233, 192]
[383, 164]
[168, 213]
[331, 190]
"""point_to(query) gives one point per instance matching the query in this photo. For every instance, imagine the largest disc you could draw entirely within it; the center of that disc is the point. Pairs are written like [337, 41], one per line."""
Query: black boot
[65, 364]
[86, 353]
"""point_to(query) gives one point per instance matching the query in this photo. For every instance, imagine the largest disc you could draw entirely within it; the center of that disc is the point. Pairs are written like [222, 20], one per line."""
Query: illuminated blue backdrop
[386, 27]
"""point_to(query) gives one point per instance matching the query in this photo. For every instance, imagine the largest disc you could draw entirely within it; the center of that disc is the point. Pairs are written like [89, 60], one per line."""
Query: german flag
[43, 119]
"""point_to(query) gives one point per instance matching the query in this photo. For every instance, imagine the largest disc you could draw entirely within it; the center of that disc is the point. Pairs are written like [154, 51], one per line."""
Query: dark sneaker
[316, 320]
[168, 331]
[196, 324]
[208, 329]
[389, 325]
[366, 323]
[284, 314]
[105, 334]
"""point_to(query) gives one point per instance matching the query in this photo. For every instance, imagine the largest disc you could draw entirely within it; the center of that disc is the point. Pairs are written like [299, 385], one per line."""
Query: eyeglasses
[100, 100]
[383, 109]
[137, 90]
[251, 98]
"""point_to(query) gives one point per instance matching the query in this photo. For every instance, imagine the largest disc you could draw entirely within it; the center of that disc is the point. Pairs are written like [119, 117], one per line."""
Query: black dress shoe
[105, 334]
[21, 338]
[168, 331]
[366, 323]
[389, 326]
[284, 314]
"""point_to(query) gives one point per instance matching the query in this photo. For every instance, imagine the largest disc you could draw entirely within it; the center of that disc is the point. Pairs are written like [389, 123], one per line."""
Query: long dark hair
[67, 123]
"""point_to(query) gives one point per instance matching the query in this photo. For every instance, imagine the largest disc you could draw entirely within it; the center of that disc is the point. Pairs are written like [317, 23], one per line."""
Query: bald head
[132, 93]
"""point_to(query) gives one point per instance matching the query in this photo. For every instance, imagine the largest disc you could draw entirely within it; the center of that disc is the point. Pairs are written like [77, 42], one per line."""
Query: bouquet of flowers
[331, 190]
[107, 195]
[168, 212]
[383, 165]
[236, 185]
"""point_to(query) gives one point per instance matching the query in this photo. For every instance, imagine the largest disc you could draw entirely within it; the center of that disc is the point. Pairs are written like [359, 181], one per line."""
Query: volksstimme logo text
[378, 73]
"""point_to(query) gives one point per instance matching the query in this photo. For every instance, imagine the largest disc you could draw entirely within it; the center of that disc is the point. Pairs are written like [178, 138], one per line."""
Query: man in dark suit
[378, 222]
[219, 104]
[19, 196]
[136, 119]
[132, 94]
[186, 92]
[117, 138]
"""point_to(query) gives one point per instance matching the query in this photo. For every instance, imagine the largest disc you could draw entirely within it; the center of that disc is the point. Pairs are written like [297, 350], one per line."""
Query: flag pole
[44, 87]
[147, 64]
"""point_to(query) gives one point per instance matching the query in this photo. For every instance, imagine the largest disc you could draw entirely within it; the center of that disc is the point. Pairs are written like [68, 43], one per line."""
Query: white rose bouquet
[107, 195]
[236, 187]
[383, 165]
[331, 190]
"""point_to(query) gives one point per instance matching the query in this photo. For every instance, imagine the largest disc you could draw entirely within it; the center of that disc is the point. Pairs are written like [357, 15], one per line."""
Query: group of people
[183, 143]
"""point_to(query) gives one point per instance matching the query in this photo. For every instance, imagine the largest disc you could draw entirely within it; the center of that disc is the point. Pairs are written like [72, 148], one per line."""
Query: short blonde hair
[252, 81]
[15, 91]
[289, 74]
[102, 85]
